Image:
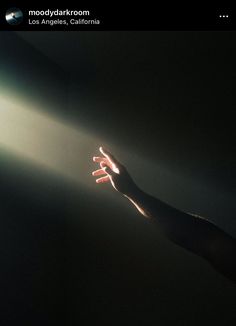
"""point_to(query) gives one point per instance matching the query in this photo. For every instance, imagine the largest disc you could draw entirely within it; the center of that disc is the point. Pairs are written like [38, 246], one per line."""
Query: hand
[113, 171]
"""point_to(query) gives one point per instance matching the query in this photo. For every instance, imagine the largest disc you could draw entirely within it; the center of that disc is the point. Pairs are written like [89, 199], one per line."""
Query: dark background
[163, 102]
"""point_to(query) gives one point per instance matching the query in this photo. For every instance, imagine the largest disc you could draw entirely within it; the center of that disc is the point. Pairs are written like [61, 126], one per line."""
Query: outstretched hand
[111, 170]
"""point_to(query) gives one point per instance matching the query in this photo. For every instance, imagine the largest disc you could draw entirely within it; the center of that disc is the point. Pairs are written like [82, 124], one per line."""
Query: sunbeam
[44, 140]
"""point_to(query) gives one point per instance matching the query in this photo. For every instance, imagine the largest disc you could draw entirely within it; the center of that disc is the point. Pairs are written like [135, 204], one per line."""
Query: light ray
[43, 139]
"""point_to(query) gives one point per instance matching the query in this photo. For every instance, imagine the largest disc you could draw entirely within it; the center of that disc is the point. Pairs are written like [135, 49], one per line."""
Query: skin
[191, 232]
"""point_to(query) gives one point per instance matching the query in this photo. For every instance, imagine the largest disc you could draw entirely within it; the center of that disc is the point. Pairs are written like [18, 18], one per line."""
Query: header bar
[115, 17]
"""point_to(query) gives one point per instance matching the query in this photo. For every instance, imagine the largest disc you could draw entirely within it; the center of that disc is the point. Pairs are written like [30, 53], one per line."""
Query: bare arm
[194, 233]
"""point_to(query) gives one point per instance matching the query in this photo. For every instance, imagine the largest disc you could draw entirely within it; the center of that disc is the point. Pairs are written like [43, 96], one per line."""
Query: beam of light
[45, 140]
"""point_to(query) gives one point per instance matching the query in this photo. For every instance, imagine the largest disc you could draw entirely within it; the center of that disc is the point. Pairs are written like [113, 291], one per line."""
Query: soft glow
[32, 134]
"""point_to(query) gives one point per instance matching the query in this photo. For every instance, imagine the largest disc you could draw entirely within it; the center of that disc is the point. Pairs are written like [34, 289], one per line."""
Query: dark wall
[167, 98]
[164, 103]
[72, 254]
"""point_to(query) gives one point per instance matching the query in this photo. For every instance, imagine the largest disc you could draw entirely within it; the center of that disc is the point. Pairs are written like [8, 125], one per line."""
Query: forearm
[190, 232]
[184, 229]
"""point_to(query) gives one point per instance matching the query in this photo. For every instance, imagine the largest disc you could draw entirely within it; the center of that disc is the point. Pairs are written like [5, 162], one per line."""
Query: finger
[99, 159]
[105, 163]
[106, 168]
[109, 171]
[109, 156]
[112, 168]
[98, 172]
[103, 179]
